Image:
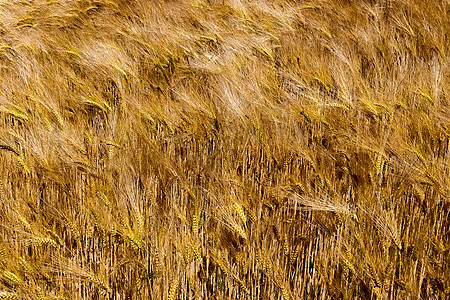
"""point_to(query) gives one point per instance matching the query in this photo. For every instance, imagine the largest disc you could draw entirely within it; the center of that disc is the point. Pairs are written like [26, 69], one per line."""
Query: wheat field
[224, 149]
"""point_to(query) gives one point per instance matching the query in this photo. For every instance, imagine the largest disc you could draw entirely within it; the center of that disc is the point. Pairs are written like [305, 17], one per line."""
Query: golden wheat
[224, 149]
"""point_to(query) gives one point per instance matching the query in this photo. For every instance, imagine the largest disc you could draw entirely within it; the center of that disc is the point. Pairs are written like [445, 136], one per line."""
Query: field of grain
[224, 149]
